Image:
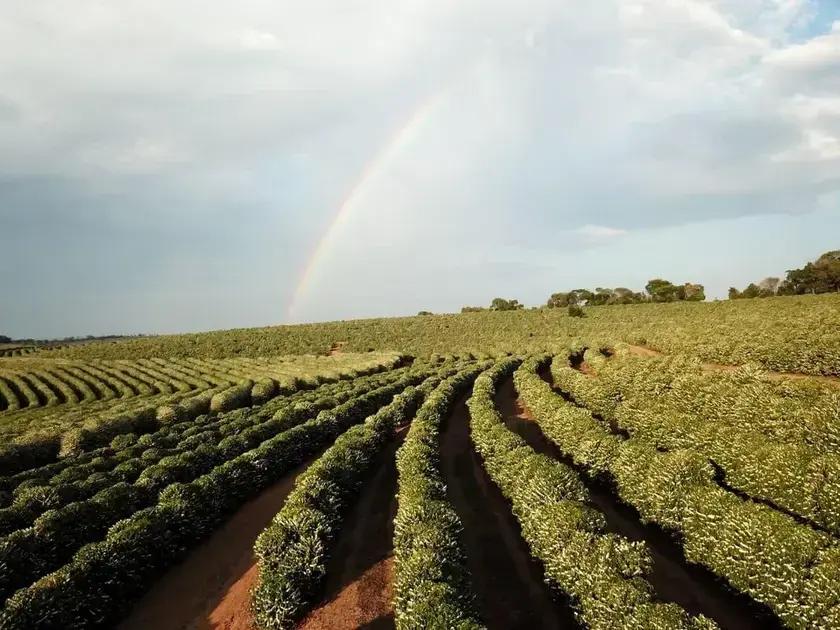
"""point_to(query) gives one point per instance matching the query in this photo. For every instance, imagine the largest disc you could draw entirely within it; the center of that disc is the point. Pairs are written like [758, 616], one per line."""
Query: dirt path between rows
[674, 579]
[834, 381]
[359, 587]
[507, 581]
[211, 587]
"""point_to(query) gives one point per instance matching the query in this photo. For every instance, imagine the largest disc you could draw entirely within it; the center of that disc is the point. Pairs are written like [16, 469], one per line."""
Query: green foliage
[431, 581]
[293, 550]
[576, 311]
[501, 304]
[110, 398]
[821, 276]
[603, 574]
[796, 333]
[757, 549]
[95, 588]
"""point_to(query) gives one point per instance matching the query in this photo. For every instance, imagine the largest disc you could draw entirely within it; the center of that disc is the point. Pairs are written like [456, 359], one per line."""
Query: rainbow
[393, 147]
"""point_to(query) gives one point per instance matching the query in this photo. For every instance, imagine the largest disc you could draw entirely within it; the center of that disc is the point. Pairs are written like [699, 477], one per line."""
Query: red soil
[359, 588]
[336, 348]
[508, 583]
[210, 588]
[644, 351]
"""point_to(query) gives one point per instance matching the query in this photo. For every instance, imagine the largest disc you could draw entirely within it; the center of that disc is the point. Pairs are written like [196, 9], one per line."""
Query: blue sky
[170, 168]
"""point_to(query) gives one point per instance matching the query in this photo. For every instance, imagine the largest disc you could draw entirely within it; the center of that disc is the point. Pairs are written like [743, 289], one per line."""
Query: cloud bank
[174, 167]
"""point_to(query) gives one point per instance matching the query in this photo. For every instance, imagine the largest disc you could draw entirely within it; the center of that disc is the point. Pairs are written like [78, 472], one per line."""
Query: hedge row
[103, 579]
[792, 568]
[780, 447]
[8, 397]
[36, 450]
[293, 550]
[603, 574]
[26, 554]
[169, 437]
[431, 579]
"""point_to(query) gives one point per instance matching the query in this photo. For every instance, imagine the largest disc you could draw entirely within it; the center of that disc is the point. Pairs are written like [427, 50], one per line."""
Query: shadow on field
[508, 582]
[696, 589]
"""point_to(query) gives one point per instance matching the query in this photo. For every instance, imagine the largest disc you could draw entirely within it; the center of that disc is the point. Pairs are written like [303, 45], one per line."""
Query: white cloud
[616, 116]
[599, 233]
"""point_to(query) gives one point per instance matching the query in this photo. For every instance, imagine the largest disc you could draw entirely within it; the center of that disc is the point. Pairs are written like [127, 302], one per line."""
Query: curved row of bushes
[790, 567]
[102, 580]
[431, 579]
[603, 574]
[8, 398]
[104, 458]
[129, 457]
[782, 447]
[141, 416]
[28, 553]
[292, 552]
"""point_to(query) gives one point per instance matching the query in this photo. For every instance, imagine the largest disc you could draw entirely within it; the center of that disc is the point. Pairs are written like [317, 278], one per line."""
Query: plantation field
[662, 466]
[785, 334]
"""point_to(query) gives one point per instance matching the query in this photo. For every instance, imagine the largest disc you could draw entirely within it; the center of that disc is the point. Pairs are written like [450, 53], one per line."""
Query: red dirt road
[210, 588]
[359, 588]
[508, 583]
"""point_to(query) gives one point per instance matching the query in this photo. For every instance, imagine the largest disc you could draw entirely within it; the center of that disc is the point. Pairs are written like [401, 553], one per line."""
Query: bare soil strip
[697, 590]
[210, 588]
[576, 362]
[833, 381]
[508, 582]
[359, 588]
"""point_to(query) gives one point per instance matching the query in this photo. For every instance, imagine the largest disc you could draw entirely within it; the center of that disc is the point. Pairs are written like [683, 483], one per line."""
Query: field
[662, 466]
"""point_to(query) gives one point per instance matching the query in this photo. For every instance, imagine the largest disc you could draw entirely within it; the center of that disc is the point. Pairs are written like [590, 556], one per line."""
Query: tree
[5, 339]
[751, 291]
[693, 292]
[558, 300]
[473, 309]
[601, 296]
[769, 286]
[580, 296]
[820, 276]
[424, 313]
[501, 304]
[622, 295]
[734, 294]
[661, 290]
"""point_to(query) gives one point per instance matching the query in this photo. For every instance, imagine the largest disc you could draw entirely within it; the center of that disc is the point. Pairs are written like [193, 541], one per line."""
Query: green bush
[431, 580]
[736, 539]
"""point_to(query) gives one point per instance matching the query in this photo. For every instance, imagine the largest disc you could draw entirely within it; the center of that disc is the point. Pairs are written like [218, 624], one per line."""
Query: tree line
[820, 276]
[656, 290]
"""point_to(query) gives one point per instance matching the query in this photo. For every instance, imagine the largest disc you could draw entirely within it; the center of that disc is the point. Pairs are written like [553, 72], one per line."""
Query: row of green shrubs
[55, 536]
[781, 447]
[790, 567]
[129, 455]
[431, 580]
[293, 550]
[96, 588]
[37, 450]
[604, 575]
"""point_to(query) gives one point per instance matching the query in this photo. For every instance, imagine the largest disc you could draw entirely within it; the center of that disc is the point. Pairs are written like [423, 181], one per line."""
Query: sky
[172, 167]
